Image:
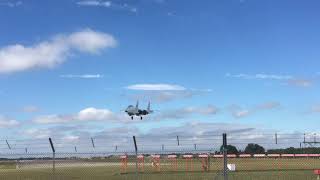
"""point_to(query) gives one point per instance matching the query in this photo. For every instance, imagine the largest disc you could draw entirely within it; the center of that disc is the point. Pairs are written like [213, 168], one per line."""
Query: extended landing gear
[139, 116]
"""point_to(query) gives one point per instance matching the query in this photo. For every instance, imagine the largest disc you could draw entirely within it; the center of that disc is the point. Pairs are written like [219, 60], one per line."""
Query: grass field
[247, 169]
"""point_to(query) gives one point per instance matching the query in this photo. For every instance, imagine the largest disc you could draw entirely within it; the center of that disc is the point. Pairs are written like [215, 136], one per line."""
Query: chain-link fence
[202, 157]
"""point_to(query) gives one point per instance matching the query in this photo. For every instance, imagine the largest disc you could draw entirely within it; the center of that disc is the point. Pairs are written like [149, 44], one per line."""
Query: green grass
[247, 169]
[7, 165]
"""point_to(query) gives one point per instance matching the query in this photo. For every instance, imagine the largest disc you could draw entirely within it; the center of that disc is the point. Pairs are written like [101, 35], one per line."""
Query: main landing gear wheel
[141, 117]
[131, 117]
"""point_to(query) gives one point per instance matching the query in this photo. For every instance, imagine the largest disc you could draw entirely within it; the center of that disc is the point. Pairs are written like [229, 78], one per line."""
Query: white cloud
[7, 123]
[82, 76]
[186, 112]
[156, 87]
[48, 54]
[38, 133]
[315, 109]
[207, 136]
[30, 109]
[301, 82]
[210, 109]
[291, 80]
[90, 41]
[65, 133]
[260, 76]
[94, 3]
[11, 4]
[134, 10]
[107, 4]
[70, 138]
[267, 105]
[95, 114]
[88, 114]
[239, 112]
[167, 96]
[160, 1]
[52, 119]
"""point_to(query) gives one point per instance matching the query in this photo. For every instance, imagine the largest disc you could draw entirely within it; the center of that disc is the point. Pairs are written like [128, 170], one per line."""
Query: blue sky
[71, 63]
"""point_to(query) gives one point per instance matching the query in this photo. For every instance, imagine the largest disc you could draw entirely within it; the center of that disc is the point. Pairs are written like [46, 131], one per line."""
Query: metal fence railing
[217, 157]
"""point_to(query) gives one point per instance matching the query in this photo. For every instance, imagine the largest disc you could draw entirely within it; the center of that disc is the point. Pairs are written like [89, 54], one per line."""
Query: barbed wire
[150, 143]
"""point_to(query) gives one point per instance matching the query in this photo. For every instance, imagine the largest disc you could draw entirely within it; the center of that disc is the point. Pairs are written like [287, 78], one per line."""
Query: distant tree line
[250, 149]
[292, 150]
[258, 149]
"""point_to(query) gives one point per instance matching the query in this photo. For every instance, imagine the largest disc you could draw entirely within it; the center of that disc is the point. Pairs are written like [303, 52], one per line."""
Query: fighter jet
[135, 111]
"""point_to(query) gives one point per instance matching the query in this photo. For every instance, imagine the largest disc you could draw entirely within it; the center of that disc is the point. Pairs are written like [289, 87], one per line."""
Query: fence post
[178, 141]
[225, 157]
[8, 144]
[136, 151]
[92, 142]
[53, 158]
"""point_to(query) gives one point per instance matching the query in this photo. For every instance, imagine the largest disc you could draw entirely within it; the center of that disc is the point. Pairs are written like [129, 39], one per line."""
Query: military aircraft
[135, 111]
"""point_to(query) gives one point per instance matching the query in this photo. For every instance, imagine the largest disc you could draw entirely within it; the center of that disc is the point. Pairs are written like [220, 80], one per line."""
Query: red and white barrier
[301, 155]
[287, 155]
[274, 155]
[259, 155]
[218, 156]
[231, 155]
[313, 155]
[245, 155]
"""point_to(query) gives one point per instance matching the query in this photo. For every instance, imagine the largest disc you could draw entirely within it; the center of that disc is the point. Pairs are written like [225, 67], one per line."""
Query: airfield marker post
[174, 162]
[53, 158]
[225, 157]
[317, 172]
[140, 163]
[204, 162]
[156, 162]
[124, 163]
[189, 162]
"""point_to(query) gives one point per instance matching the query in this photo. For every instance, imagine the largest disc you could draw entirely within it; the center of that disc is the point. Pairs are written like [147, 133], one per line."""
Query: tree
[254, 149]
[230, 149]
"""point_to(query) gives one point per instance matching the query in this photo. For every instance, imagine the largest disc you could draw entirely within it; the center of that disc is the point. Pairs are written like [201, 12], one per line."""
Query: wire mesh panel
[274, 156]
[258, 156]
